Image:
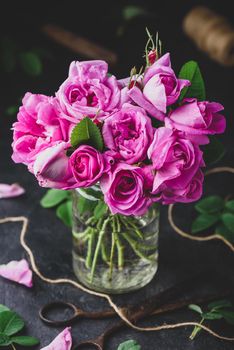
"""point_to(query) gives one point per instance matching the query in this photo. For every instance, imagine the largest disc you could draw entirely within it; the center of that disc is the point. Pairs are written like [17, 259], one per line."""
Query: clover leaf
[10, 324]
[129, 345]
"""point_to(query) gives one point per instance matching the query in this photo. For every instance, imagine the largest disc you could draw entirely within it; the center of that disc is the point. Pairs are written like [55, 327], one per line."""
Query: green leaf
[214, 151]
[100, 209]
[204, 221]
[53, 197]
[8, 55]
[3, 308]
[64, 213]
[25, 340]
[225, 232]
[191, 72]
[210, 205]
[212, 315]
[228, 220]
[88, 133]
[228, 316]
[4, 340]
[10, 322]
[131, 11]
[230, 205]
[129, 345]
[219, 304]
[31, 63]
[195, 308]
[12, 110]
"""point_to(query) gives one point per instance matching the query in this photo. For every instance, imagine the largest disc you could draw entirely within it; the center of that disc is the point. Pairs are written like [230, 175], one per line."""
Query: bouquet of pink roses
[141, 138]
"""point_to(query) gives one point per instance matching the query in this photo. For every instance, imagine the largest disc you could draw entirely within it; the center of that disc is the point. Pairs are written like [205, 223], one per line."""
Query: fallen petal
[17, 271]
[9, 191]
[62, 342]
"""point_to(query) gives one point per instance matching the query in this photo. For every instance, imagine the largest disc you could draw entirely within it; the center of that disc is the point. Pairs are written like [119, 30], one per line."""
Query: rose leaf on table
[10, 324]
[220, 309]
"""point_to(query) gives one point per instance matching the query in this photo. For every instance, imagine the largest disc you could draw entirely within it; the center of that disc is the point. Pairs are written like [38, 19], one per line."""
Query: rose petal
[9, 191]
[62, 342]
[17, 271]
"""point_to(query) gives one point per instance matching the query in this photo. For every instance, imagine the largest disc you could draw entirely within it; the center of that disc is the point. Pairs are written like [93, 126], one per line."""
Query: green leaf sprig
[215, 212]
[129, 345]
[10, 324]
[221, 309]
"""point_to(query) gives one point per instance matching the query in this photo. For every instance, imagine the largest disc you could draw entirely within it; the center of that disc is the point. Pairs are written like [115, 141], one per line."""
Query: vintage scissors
[76, 313]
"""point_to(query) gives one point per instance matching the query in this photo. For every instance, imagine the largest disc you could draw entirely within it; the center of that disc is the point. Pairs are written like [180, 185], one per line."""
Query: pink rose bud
[17, 271]
[152, 56]
[9, 191]
[161, 88]
[62, 342]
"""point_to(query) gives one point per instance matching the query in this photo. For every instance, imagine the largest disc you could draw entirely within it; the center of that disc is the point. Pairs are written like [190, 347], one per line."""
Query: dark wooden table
[50, 240]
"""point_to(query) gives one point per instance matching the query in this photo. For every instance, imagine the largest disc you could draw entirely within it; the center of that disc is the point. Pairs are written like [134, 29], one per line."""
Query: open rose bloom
[123, 145]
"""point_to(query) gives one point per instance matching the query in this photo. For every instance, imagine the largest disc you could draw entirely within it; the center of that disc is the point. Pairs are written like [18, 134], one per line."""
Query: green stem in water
[131, 226]
[105, 256]
[91, 241]
[112, 254]
[120, 249]
[134, 246]
[98, 247]
[196, 330]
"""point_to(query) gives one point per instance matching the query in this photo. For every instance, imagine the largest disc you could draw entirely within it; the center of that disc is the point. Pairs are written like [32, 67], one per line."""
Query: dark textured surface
[51, 241]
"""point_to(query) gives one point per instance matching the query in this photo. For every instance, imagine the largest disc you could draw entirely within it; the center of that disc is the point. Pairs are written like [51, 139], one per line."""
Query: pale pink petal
[9, 191]
[17, 271]
[62, 342]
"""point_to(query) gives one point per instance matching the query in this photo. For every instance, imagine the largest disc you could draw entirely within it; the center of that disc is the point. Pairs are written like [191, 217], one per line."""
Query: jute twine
[115, 307]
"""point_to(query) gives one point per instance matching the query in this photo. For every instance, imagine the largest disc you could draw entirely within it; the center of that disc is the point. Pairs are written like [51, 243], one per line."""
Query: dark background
[50, 240]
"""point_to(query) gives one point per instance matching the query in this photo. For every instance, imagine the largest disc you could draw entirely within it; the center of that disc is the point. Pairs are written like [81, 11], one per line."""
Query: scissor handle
[43, 313]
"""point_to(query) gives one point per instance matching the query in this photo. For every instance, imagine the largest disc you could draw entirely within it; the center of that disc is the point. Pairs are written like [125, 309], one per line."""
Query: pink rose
[160, 88]
[17, 271]
[127, 189]
[198, 118]
[175, 159]
[87, 165]
[192, 192]
[88, 91]
[52, 167]
[62, 342]
[129, 133]
[37, 127]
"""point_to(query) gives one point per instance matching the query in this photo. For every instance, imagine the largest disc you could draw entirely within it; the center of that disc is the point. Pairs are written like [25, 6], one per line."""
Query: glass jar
[112, 253]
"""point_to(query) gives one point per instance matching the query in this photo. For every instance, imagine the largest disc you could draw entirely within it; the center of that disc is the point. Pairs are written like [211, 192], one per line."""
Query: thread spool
[211, 33]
